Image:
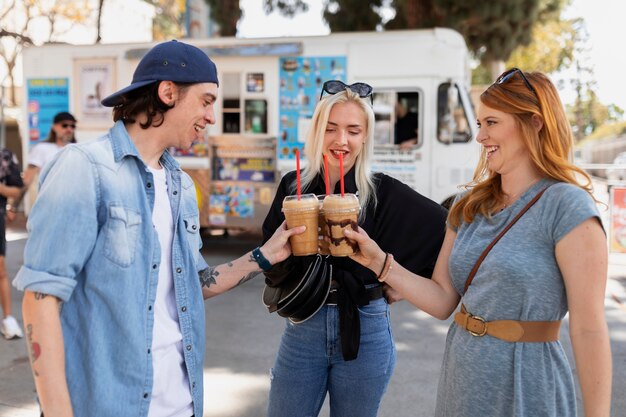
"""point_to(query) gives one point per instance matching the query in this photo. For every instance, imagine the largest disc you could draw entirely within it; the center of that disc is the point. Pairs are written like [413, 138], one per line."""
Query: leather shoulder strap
[472, 273]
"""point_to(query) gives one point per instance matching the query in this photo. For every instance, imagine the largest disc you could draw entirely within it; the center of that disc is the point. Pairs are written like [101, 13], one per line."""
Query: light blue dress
[518, 280]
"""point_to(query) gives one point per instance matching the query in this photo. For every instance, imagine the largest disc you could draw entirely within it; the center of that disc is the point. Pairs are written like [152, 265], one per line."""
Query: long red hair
[550, 149]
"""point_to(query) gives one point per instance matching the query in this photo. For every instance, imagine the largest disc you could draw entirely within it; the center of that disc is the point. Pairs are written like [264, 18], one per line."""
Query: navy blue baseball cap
[168, 61]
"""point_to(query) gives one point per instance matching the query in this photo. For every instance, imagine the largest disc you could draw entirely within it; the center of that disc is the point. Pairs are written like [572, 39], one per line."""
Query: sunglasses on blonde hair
[507, 75]
[336, 86]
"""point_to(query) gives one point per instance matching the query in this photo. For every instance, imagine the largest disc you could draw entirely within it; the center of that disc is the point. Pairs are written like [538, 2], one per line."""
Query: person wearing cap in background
[61, 133]
[10, 187]
[114, 237]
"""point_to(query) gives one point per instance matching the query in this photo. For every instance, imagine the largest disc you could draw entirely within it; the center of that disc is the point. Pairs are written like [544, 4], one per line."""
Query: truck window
[452, 122]
[231, 107]
[397, 117]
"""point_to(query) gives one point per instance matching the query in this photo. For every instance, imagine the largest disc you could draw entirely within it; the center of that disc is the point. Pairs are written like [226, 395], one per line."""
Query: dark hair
[52, 137]
[145, 100]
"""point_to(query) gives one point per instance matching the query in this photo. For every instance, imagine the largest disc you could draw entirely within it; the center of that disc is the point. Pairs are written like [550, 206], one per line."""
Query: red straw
[341, 171]
[326, 174]
[298, 171]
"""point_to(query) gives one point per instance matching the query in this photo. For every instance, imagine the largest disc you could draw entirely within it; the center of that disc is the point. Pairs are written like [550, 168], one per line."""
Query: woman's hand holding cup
[370, 255]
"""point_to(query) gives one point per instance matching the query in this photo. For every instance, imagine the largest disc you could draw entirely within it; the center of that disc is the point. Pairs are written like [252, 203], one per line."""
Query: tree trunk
[495, 67]
[99, 21]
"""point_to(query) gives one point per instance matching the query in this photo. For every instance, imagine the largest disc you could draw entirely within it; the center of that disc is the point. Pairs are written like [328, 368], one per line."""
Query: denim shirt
[92, 244]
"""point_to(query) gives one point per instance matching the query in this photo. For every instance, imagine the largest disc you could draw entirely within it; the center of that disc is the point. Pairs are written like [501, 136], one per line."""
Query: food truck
[268, 90]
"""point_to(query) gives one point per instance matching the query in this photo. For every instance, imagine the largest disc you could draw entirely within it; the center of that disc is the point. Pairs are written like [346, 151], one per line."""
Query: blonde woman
[346, 350]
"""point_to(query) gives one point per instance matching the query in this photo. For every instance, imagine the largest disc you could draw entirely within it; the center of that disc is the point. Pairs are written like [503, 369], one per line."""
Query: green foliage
[352, 15]
[168, 20]
[608, 130]
[288, 8]
[226, 13]
[551, 49]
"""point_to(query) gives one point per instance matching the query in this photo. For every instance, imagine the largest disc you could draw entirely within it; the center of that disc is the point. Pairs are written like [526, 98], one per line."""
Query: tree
[226, 13]
[288, 8]
[168, 21]
[352, 15]
[551, 49]
[16, 19]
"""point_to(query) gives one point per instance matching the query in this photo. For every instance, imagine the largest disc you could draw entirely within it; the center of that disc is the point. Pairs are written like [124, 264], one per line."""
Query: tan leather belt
[508, 330]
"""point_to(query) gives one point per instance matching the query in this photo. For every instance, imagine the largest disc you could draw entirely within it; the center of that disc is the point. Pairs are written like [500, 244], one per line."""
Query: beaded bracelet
[386, 268]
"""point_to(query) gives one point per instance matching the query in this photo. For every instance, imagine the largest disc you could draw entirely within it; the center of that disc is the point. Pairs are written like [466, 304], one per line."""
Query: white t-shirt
[171, 395]
[42, 153]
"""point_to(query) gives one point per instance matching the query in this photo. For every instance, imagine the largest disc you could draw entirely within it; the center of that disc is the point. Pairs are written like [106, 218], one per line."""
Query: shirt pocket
[122, 229]
[192, 225]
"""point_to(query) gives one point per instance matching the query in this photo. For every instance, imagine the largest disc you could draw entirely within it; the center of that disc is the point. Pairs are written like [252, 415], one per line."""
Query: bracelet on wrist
[261, 259]
[386, 268]
[383, 267]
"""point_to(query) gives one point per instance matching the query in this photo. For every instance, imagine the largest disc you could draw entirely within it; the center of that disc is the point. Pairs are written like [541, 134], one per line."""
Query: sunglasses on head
[506, 76]
[336, 86]
[66, 125]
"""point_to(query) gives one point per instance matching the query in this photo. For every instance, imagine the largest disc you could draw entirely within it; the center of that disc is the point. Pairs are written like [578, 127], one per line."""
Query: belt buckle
[480, 319]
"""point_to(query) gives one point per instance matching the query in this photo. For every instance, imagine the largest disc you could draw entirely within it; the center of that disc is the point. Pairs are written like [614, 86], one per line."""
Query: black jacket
[403, 223]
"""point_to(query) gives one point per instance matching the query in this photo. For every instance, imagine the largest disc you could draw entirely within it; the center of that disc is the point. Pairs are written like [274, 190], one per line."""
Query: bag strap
[472, 273]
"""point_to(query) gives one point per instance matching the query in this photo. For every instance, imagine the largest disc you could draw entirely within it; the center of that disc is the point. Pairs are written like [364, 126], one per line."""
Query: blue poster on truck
[46, 97]
[245, 169]
[301, 80]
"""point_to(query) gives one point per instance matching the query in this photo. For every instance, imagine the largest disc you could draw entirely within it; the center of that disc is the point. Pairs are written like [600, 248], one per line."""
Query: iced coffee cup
[341, 212]
[323, 230]
[302, 212]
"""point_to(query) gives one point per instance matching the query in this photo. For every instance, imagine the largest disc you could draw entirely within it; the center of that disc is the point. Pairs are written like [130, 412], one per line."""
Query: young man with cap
[120, 252]
[61, 133]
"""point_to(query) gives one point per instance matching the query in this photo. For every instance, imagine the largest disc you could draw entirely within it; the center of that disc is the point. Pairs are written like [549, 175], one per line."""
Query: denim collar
[124, 146]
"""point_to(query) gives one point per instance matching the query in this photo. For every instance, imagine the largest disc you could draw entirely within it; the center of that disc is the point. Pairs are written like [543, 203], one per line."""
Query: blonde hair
[314, 146]
[550, 149]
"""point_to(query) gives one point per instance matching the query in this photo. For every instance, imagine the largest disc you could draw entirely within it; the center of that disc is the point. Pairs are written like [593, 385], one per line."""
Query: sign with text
[46, 98]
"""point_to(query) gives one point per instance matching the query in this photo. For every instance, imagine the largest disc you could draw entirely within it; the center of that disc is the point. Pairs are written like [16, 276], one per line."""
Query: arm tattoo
[33, 348]
[247, 277]
[40, 296]
[208, 277]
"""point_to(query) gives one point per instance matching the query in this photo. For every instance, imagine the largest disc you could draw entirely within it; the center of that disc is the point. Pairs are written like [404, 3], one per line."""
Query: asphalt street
[242, 340]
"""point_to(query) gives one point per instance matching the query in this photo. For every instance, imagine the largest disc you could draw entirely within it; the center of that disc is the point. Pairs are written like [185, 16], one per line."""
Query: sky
[604, 20]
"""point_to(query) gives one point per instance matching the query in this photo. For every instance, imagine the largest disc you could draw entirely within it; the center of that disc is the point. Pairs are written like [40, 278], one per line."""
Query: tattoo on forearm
[40, 296]
[33, 348]
[248, 277]
[251, 259]
[208, 277]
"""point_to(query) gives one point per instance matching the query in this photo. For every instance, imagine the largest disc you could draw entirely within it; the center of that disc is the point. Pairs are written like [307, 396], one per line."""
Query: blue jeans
[310, 364]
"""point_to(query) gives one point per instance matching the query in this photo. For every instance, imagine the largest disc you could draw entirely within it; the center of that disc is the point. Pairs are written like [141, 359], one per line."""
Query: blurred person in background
[10, 187]
[61, 133]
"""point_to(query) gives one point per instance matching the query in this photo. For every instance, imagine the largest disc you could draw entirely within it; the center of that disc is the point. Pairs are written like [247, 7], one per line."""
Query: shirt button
[175, 192]
[148, 351]
[149, 308]
[154, 266]
[149, 185]
[145, 395]
[188, 347]
[184, 309]
[193, 385]
[194, 227]
[179, 270]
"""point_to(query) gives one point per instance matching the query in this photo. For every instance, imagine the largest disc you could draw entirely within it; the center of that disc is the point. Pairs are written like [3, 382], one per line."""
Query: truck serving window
[397, 117]
[452, 122]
